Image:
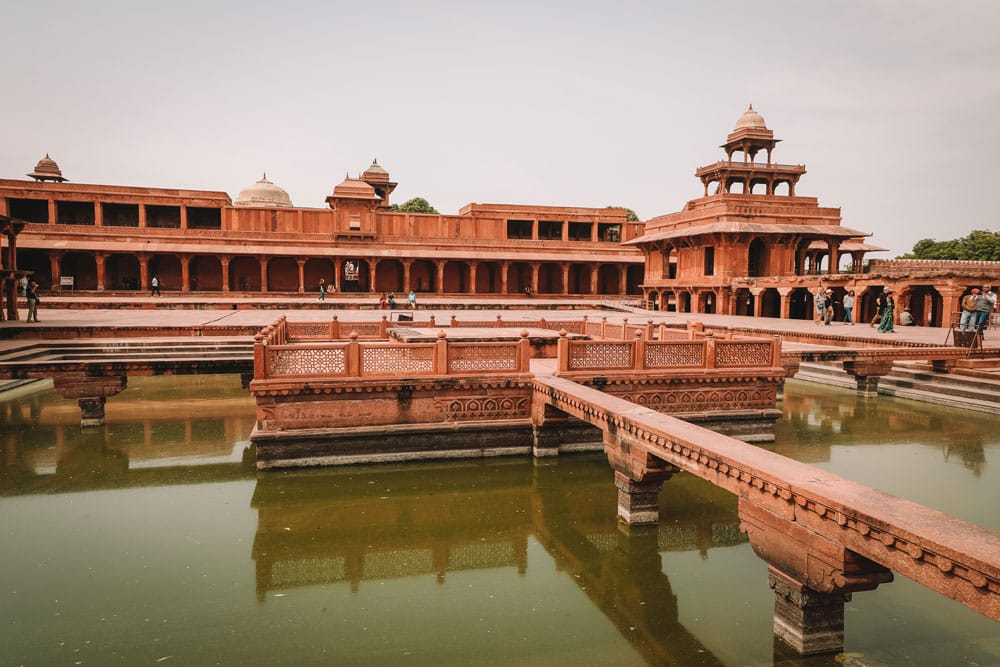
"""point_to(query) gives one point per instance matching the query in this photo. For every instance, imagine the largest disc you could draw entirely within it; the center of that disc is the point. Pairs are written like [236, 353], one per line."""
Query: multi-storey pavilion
[750, 245]
[114, 238]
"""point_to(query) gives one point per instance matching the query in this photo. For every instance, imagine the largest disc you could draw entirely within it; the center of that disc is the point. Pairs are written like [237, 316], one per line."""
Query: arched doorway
[926, 306]
[423, 276]
[518, 278]
[684, 302]
[608, 277]
[121, 272]
[82, 267]
[550, 279]
[167, 268]
[455, 277]
[770, 303]
[488, 278]
[707, 302]
[244, 274]
[744, 301]
[653, 301]
[283, 276]
[757, 258]
[579, 279]
[205, 273]
[801, 305]
[670, 261]
[389, 276]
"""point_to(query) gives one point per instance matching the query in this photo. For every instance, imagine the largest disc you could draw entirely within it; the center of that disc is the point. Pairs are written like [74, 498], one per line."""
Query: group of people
[390, 300]
[324, 288]
[976, 308]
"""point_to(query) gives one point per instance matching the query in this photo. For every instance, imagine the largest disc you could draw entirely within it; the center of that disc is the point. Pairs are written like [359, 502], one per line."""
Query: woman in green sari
[885, 325]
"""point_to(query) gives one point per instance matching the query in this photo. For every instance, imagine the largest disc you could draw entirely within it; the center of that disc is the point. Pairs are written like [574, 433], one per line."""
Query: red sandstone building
[108, 238]
[750, 245]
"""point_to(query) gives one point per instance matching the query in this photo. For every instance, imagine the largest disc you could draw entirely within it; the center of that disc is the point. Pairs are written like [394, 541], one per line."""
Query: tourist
[987, 303]
[879, 307]
[392, 300]
[906, 318]
[828, 313]
[849, 307]
[382, 300]
[33, 301]
[821, 302]
[413, 300]
[888, 313]
[154, 286]
[22, 286]
[967, 322]
[322, 289]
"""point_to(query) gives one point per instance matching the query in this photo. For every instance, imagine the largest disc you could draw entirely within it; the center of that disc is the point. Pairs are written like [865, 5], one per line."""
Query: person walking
[322, 289]
[886, 325]
[967, 321]
[154, 285]
[32, 295]
[821, 308]
[828, 313]
[849, 307]
[879, 308]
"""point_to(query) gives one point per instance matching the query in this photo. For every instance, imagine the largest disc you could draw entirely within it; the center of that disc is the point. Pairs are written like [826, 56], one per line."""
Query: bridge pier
[812, 577]
[90, 392]
[866, 373]
[638, 478]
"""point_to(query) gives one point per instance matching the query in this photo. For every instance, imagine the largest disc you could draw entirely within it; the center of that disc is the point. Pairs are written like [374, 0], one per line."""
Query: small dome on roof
[47, 170]
[751, 120]
[354, 188]
[375, 173]
[263, 193]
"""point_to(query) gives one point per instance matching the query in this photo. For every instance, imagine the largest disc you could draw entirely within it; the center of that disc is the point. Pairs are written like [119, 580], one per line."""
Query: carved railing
[638, 354]
[356, 359]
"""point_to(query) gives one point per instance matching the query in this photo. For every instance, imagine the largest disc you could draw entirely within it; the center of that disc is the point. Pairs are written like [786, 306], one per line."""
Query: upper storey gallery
[359, 209]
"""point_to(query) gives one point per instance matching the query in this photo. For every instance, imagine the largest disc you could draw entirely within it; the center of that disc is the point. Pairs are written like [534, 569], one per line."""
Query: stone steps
[970, 391]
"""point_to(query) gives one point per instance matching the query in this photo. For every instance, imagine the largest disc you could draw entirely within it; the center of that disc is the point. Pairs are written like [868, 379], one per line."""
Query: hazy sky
[891, 105]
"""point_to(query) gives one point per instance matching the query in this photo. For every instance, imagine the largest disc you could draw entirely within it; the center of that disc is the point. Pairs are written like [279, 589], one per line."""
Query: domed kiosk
[47, 170]
[263, 193]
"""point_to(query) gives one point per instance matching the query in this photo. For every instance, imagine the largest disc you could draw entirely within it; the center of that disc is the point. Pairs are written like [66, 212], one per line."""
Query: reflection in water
[150, 539]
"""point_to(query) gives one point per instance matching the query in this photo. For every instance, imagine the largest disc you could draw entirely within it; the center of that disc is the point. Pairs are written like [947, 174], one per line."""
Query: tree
[415, 205]
[979, 246]
[629, 213]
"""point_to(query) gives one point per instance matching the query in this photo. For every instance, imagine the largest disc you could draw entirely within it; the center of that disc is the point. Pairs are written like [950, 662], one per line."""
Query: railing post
[604, 325]
[649, 329]
[583, 326]
[259, 358]
[353, 356]
[433, 321]
[383, 327]
[524, 353]
[452, 322]
[776, 351]
[334, 328]
[709, 349]
[441, 354]
[639, 349]
[498, 324]
[562, 351]
[624, 328]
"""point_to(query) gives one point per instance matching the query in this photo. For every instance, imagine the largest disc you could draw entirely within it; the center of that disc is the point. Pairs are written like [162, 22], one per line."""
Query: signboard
[66, 281]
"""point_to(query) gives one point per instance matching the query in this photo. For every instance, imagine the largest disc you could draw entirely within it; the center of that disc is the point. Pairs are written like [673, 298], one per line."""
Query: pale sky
[892, 105]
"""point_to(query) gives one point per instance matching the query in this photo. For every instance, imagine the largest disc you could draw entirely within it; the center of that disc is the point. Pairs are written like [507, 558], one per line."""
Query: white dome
[751, 119]
[263, 193]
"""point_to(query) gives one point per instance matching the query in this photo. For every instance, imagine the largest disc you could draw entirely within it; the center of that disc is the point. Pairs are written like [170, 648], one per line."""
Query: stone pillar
[786, 302]
[834, 257]
[473, 267]
[866, 373]
[757, 292]
[808, 621]
[143, 272]
[142, 215]
[504, 270]
[55, 270]
[263, 273]
[224, 261]
[90, 392]
[100, 259]
[623, 280]
[53, 212]
[184, 216]
[565, 278]
[439, 278]
[595, 271]
[547, 425]
[302, 275]
[534, 278]
[638, 502]
[98, 214]
[91, 411]
[407, 263]
[185, 273]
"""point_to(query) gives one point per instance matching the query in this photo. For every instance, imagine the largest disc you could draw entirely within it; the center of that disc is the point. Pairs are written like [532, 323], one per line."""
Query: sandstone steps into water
[970, 390]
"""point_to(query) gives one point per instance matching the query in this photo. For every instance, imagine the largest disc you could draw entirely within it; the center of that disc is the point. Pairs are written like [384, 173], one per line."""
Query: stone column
[407, 264]
[786, 301]
[595, 271]
[184, 216]
[185, 272]
[99, 259]
[638, 502]
[302, 275]
[473, 267]
[834, 257]
[263, 273]
[224, 261]
[565, 278]
[53, 212]
[866, 373]
[143, 271]
[142, 215]
[55, 270]
[534, 278]
[504, 270]
[638, 477]
[98, 214]
[439, 278]
[757, 292]
[90, 392]
[623, 280]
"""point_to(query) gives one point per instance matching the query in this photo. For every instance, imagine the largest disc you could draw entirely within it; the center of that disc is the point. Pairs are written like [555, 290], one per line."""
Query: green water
[153, 541]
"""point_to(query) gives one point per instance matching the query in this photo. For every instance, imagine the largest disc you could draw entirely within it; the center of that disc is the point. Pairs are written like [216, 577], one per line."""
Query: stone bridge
[823, 537]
